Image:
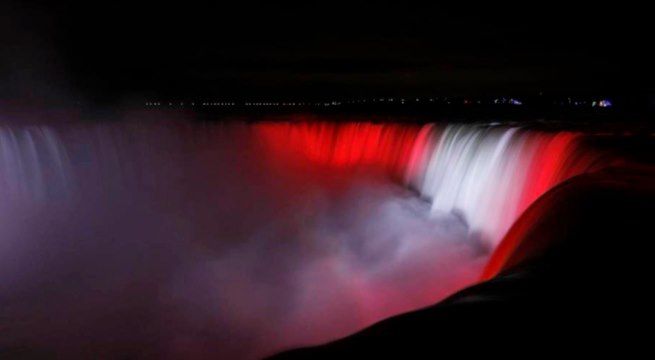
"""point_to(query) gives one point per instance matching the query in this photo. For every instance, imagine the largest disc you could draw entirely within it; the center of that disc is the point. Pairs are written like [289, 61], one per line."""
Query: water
[173, 239]
[488, 175]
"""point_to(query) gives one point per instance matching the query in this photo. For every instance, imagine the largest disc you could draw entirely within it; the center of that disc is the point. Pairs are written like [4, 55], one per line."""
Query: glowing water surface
[169, 240]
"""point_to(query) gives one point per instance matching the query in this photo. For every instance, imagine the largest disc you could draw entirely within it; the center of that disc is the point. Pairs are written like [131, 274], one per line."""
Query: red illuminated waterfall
[342, 145]
[487, 174]
[280, 234]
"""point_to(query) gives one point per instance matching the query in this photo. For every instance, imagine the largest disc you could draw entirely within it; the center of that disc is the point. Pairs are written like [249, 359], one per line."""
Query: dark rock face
[574, 281]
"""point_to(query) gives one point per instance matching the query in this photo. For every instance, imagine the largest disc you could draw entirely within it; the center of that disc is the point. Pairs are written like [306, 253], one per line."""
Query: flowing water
[234, 240]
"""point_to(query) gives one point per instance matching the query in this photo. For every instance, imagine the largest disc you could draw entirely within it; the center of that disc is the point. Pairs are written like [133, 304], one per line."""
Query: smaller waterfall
[33, 163]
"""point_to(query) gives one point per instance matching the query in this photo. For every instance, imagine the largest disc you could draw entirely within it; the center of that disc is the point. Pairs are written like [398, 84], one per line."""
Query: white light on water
[251, 230]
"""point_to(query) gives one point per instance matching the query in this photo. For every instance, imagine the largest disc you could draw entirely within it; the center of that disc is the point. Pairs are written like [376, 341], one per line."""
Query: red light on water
[386, 147]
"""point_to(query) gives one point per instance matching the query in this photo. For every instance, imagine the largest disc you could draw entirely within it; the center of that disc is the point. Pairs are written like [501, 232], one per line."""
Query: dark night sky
[106, 51]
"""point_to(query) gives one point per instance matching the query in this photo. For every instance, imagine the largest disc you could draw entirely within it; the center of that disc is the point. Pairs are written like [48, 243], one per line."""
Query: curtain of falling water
[487, 175]
[490, 175]
[228, 240]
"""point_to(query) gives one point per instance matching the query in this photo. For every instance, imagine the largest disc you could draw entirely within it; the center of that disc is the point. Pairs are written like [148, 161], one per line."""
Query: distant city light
[577, 102]
[604, 103]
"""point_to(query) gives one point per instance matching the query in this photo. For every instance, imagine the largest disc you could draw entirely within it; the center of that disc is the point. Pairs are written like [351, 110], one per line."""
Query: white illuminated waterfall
[489, 175]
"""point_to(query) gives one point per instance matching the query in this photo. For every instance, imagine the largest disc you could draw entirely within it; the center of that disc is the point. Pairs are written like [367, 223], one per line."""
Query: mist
[169, 240]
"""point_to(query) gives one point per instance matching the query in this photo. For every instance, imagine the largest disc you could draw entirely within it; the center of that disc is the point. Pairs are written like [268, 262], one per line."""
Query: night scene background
[334, 179]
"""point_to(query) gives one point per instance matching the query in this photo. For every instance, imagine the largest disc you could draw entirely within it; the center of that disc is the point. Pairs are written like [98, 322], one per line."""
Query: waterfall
[33, 163]
[251, 229]
[488, 175]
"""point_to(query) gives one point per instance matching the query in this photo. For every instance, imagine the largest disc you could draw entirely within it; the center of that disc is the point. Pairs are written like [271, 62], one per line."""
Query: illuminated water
[170, 240]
